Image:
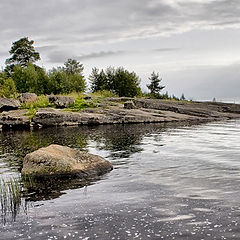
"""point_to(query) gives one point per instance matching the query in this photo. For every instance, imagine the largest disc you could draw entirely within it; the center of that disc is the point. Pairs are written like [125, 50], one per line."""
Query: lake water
[168, 182]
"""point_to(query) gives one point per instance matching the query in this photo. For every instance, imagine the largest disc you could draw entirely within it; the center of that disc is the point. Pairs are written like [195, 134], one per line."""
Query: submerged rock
[7, 104]
[64, 161]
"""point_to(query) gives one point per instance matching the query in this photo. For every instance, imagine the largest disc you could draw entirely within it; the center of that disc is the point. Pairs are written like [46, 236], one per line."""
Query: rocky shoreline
[123, 111]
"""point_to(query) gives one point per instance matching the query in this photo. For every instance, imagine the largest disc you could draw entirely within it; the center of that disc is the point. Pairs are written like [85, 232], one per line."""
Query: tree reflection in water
[121, 141]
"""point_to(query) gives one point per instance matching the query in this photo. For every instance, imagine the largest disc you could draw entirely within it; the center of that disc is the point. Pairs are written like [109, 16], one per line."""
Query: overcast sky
[193, 44]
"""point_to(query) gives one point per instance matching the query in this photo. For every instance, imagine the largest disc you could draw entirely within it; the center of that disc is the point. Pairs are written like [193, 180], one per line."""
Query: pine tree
[23, 53]
[155, 86]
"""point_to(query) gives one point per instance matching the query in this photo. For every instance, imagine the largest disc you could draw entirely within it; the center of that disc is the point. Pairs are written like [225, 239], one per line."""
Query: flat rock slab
[15, 118]
[198, 109]
[56, 117]
[57, 160]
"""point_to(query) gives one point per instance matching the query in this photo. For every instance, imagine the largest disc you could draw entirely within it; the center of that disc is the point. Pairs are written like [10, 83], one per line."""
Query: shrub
[7, 86]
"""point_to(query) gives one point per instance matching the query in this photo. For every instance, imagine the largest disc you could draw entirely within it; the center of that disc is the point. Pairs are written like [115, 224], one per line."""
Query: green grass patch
[81, 104]
[32, 107]
[42, 102]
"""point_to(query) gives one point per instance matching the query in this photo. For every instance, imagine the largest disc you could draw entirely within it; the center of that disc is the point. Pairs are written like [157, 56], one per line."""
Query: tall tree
[23, 53]
[154, 85]
[98, 80]
[74, 72]
[126, 83]
[72, 66]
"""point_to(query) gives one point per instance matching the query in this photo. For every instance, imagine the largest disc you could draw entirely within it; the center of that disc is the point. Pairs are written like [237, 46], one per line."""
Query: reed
[10, 196]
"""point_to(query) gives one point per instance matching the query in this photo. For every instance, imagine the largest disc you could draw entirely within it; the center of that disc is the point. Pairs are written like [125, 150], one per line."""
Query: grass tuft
[10, 196]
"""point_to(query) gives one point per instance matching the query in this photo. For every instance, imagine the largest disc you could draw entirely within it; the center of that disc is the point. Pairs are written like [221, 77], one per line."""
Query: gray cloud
[165, 49]
[61, 56]
[100, 54]
[45, 48]
[92, 21]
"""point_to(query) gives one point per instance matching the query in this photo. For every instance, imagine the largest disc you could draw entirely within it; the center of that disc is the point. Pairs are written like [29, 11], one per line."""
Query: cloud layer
[140, 34]
[106, 20]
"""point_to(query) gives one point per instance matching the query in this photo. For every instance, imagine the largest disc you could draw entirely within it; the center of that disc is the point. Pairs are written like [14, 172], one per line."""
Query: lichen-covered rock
[61, 101]
[28, 97]
[7, 104]
[62, 161]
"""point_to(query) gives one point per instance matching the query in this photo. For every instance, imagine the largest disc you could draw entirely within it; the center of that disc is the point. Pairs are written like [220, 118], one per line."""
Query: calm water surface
[167, 183]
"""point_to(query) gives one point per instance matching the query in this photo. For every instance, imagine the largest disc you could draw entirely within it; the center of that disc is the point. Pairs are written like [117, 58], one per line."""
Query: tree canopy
[119, 81]
[72, 66]
[29, 77]
[67, 79]
[23, 53]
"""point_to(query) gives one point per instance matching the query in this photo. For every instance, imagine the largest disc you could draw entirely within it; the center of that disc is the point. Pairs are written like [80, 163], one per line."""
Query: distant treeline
[21, 74]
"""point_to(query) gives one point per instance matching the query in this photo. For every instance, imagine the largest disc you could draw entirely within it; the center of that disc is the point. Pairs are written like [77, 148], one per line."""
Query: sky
[193, 44]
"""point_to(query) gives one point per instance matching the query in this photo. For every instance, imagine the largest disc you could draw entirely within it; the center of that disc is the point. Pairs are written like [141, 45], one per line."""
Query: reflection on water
[121, 141]
[167, 183]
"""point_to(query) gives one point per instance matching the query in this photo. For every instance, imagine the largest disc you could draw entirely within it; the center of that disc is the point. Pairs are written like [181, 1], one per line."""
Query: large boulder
[7, 104]
[61, 101]
[64, 161]
[28, 97]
